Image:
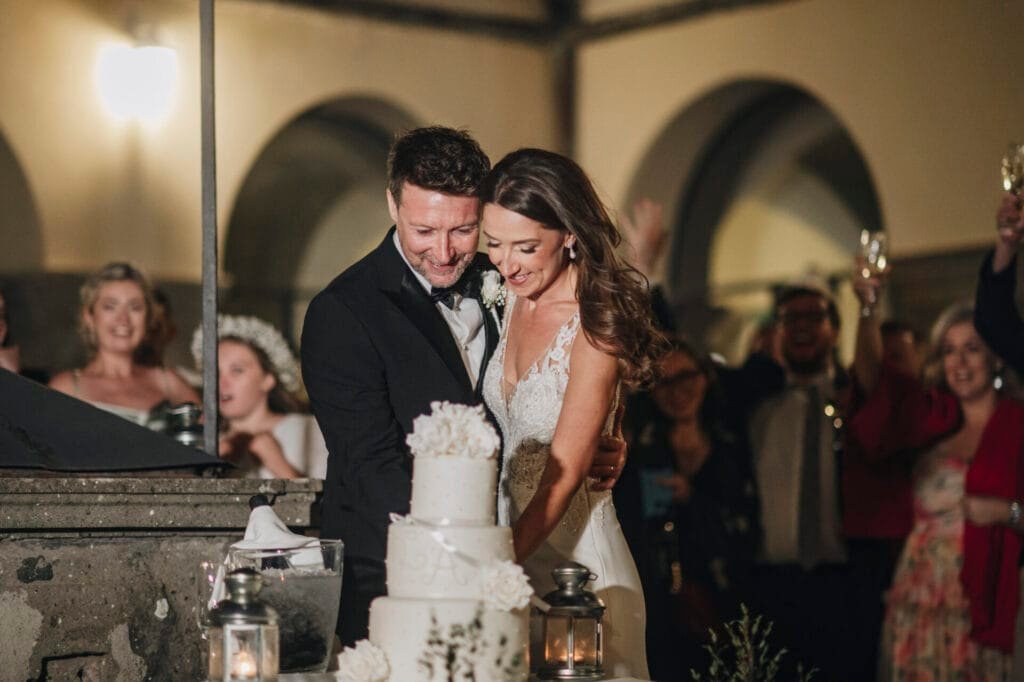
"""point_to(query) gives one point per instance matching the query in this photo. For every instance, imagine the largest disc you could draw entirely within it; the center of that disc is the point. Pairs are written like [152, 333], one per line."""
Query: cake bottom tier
[441, 639]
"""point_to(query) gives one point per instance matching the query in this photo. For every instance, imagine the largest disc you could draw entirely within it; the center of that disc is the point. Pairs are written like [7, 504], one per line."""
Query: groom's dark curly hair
[436, 158]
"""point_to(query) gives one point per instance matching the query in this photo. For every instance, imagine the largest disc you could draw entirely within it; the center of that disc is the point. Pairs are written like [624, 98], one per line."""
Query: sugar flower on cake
[452, 430]
[505, 586]
[365, 662]
[492, 291]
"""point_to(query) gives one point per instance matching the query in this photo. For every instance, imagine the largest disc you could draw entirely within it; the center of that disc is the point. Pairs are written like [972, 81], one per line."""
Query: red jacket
[878, 492]
[901, 416]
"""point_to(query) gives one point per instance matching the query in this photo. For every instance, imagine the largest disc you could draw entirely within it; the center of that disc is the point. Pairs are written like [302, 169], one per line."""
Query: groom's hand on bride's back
[610, 456]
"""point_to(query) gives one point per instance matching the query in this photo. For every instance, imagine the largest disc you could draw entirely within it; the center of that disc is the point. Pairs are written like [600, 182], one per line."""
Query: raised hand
[645, 232]
[1010, 223]
[868, 289]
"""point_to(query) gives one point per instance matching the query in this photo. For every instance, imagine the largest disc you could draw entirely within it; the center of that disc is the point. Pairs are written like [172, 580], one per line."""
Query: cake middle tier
[419, 566]
[454, 490]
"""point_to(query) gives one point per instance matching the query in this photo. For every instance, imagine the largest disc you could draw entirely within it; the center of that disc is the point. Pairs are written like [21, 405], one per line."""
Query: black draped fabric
[44, 429]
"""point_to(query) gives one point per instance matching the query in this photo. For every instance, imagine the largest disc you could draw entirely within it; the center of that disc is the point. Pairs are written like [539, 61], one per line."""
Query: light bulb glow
[137, 83]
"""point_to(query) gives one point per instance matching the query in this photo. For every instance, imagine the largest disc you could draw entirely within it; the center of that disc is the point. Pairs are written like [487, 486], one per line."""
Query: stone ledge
[83, 504]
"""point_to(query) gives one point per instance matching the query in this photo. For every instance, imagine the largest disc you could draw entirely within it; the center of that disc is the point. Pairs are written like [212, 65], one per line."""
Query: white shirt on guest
[777, 433]
[302, 444]
[465, 320]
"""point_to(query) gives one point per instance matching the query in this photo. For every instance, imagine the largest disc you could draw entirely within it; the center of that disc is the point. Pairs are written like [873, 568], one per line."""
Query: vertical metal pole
[209, 181]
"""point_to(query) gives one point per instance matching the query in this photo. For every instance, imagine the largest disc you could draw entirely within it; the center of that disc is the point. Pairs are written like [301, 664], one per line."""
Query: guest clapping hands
[116, 317]
[265, 434]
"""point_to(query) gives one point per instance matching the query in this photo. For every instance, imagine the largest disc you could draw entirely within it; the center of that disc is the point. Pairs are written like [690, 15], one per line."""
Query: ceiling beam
[563, 23]
[687, 10]
[519, 30]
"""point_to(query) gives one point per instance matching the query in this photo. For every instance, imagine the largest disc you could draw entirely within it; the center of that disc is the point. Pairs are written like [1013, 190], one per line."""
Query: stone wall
[98, 576]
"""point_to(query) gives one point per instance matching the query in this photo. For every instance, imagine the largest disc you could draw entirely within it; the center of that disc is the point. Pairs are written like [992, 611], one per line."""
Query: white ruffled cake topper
[452, 430]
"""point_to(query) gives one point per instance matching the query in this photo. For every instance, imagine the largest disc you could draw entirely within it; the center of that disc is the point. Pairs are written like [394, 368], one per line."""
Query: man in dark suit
[399, 329]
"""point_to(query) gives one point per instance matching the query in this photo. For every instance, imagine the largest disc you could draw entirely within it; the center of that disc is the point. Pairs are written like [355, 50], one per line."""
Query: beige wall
[922, 87]
[107, 190]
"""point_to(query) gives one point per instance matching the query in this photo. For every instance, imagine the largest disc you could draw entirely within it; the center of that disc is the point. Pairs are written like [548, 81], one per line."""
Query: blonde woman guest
[266, 434]
[954, 597]
[116, 318]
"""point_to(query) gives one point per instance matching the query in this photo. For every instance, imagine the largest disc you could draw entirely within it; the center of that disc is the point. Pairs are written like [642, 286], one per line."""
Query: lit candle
[243, 667]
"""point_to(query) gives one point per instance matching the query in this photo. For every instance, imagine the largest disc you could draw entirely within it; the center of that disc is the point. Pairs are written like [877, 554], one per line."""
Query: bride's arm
[588, 399]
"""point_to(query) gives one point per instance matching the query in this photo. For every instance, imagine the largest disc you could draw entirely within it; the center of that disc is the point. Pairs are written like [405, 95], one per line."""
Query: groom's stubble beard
[421, 262]
[465, 260]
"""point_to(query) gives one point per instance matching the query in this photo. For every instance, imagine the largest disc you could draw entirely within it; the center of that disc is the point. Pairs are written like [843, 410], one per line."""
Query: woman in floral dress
[951, 609]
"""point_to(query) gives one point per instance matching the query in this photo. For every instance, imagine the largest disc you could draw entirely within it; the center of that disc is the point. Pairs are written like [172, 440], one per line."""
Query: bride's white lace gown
[589, 533]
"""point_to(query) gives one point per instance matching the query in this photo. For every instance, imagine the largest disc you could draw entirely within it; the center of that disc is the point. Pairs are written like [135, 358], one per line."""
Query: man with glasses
[796, 444]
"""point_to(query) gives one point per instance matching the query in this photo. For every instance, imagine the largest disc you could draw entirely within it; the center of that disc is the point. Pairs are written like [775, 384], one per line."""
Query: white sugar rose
[492, 291]
[365, 662]
[452, 430]
[505, 586]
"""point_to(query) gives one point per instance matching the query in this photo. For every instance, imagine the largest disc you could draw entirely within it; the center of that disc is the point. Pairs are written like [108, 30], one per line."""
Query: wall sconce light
[138, 81]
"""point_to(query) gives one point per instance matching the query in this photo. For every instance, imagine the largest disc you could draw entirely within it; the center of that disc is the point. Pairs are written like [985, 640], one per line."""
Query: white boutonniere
[492, 289]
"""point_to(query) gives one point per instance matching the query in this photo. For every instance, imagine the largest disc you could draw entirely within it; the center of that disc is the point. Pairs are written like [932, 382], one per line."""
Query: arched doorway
[311, 205]
[765, 186]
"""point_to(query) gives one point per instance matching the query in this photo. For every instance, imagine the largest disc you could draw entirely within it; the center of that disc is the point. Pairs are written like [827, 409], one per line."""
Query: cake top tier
[452, 430]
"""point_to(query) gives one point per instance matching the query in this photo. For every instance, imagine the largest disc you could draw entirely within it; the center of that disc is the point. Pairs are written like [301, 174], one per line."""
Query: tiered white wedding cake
[457, 603]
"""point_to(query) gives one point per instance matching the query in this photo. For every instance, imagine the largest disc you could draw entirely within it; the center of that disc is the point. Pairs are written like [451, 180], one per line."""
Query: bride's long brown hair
[615, 306]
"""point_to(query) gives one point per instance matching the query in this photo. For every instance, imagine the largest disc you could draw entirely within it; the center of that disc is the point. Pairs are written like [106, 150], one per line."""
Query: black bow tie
[464, 288]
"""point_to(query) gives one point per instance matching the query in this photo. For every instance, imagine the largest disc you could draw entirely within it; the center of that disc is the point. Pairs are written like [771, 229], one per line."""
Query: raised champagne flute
[1013, 169]
[874, 259]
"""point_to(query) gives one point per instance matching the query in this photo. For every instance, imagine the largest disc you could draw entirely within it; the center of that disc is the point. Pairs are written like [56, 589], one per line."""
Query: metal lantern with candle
[572, 627]
[243, 633]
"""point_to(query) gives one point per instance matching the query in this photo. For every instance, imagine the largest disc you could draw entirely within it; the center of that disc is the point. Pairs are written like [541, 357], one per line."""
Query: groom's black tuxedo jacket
[375, 353]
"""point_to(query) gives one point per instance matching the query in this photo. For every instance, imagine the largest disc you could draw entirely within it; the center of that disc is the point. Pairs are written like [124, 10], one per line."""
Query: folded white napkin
[266, 531]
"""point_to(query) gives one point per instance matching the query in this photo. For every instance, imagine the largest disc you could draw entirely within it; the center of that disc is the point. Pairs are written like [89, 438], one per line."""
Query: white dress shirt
[777, 437]
[465, 319]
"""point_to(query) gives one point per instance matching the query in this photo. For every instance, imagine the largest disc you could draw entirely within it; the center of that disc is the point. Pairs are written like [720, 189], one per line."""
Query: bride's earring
[572, 251]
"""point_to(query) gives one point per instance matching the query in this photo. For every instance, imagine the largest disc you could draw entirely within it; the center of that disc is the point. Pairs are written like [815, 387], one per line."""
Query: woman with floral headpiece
[265, 433]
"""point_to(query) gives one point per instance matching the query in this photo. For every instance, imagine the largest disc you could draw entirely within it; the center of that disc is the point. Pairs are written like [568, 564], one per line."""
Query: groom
[397, 330]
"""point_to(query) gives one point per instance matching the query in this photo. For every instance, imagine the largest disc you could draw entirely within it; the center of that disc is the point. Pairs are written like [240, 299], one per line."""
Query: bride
[553, 390]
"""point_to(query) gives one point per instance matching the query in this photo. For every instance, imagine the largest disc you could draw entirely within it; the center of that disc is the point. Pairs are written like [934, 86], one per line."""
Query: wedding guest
[9, 355]
[116, 316]
[265, 433]
[999, 323]
[688, 509]
[951, 610]
[802, 572]
[877, 494]
[902, 346]
[995, 315]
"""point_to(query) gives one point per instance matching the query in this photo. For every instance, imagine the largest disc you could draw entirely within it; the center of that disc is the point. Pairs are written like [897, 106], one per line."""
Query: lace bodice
[527, 414]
